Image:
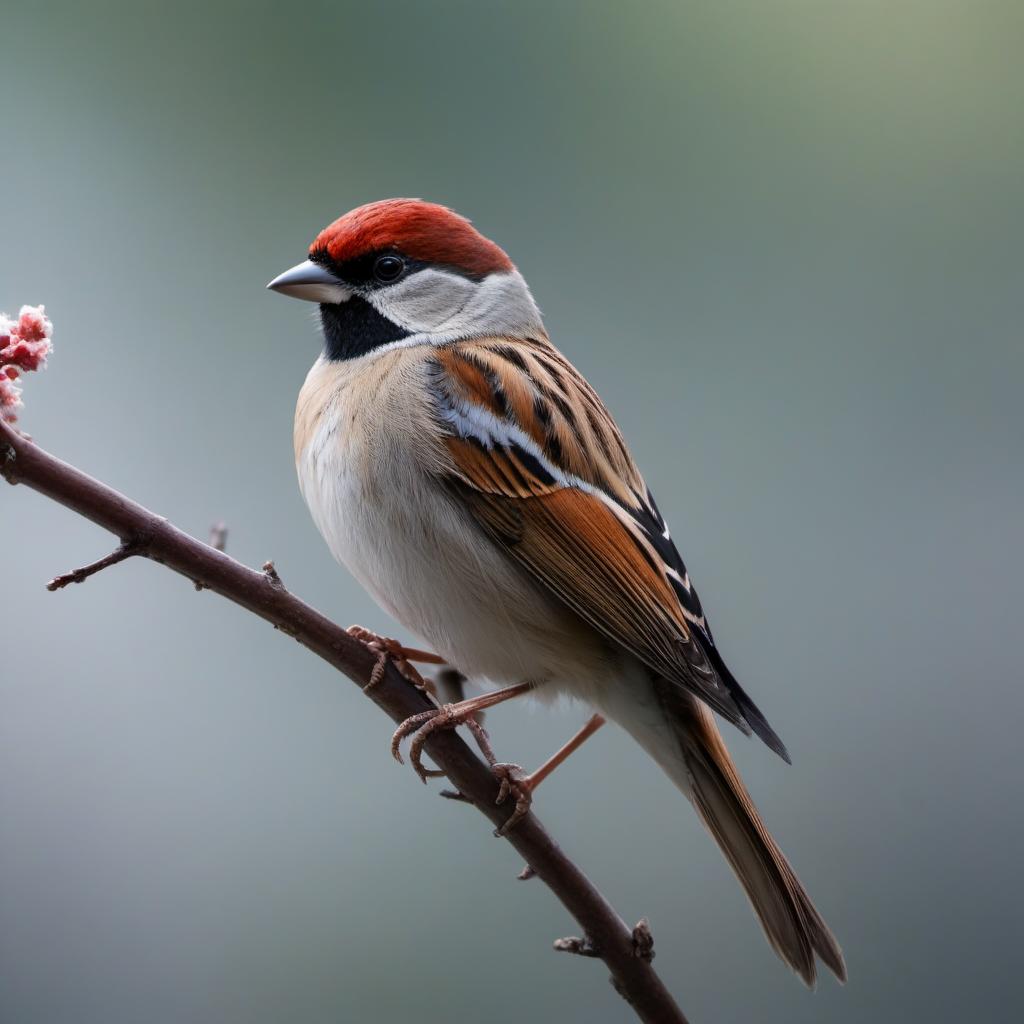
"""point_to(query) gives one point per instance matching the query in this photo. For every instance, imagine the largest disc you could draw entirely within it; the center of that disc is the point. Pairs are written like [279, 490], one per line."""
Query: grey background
[782, 239]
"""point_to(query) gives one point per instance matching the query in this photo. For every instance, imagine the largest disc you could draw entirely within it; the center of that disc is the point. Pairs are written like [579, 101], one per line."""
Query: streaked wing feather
[542, 467]
[574, 544]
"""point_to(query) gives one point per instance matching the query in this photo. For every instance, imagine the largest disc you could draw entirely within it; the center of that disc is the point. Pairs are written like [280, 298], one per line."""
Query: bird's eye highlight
[388, 268]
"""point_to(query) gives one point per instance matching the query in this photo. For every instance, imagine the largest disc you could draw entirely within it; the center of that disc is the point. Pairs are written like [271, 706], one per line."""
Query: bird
[473, 482]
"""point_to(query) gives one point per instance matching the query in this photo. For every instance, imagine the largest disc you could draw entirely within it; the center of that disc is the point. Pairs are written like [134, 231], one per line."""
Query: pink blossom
[10, 399]
[24, 346]
[33, 324]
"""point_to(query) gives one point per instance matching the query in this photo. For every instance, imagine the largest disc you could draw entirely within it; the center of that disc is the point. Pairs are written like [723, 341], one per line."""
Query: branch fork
[126, 549]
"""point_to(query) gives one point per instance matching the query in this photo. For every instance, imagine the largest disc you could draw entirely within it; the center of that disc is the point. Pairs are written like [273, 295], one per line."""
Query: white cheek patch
[437, 306]
[424, 300]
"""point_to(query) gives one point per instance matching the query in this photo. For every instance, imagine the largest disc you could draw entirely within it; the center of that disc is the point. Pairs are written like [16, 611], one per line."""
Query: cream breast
[370, 463]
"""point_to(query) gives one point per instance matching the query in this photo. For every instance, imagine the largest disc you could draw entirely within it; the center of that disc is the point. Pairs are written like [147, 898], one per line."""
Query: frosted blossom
[10, 399]
[24, 346]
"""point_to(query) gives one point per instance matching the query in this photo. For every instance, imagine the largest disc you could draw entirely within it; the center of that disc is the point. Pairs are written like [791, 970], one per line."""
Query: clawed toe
[388, 649]
[421, 727]
[514, 782]
[407, 728]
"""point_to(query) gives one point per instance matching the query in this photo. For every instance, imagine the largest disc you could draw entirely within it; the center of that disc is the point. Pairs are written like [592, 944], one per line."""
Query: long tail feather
[793, 926]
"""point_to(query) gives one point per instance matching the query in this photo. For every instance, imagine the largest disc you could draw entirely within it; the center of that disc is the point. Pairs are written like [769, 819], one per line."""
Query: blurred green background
[782, 239]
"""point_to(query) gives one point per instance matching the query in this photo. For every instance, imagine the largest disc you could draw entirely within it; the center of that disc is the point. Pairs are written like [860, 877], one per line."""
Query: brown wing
[542, 467]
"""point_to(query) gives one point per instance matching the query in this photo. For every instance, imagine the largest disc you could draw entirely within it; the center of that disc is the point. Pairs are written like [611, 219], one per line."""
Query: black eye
[388, 268]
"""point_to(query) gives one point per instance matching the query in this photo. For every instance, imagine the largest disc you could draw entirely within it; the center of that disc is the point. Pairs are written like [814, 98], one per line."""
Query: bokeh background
[784, 242]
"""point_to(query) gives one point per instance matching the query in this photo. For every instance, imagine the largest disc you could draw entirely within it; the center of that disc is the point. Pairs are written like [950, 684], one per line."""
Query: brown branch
[148, 535]
[123, 551]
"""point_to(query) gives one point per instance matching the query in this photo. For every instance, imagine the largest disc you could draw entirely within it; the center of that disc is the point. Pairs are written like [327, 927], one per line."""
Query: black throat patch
[354, 328]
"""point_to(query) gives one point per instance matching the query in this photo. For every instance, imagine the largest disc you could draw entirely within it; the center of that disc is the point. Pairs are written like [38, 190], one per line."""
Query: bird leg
[449, 716]
[520, 786]
[387, 649]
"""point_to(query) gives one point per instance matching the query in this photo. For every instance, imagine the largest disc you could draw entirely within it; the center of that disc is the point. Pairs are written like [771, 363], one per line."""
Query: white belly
[429, 565]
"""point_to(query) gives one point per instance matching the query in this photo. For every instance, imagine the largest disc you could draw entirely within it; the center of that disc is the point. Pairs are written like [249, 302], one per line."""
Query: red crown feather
[424, 231]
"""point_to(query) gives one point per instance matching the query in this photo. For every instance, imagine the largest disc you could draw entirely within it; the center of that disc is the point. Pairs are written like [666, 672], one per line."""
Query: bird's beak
[310, 282]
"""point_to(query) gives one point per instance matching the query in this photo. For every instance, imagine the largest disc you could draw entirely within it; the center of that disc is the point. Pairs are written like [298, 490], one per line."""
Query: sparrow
[473, 482]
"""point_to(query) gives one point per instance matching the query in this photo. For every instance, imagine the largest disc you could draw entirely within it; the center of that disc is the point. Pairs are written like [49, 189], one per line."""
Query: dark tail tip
[762, 729]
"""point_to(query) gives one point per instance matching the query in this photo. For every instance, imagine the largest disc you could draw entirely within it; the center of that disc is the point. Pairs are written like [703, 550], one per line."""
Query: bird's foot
[449, 716]
[515, 783]
[387, 650]
[512, 780]
[421, 727]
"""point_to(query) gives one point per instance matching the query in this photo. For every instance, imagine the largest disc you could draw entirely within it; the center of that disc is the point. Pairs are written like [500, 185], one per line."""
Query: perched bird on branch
[474, 483]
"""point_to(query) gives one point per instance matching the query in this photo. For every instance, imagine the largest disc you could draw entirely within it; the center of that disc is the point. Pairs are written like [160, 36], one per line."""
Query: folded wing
[541, 466]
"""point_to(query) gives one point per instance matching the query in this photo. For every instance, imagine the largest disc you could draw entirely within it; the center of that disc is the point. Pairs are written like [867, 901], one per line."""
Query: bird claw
[388, 649]
[420, 727]
[514, 782]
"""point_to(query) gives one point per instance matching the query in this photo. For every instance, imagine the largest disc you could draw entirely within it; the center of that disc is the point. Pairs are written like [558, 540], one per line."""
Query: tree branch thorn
[454, 794]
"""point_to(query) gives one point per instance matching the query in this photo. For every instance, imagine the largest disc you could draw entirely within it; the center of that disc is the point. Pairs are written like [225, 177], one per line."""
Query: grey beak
[310, 282]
